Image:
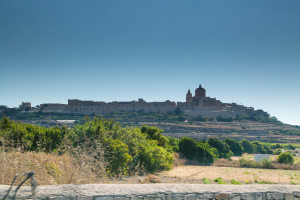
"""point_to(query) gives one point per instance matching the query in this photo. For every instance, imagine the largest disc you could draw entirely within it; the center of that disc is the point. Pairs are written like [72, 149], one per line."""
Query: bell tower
[189, 96]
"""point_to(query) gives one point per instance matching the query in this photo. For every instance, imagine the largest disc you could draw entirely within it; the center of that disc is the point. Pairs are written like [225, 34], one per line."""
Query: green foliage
[126, 150]
[234, 182]
[206, 181]
[286, 158]
[30, 137]
[198, 151]
[173, 143]
[265, 164]
[154, 133]
[262, 148]
[223, 148]
[219, 180]
[223, 119]
[277, 152]
[248, 146]
[264, 182]
[117, 156]
[235, 146]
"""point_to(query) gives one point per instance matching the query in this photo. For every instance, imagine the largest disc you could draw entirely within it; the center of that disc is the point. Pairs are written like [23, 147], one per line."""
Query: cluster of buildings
[196, 105]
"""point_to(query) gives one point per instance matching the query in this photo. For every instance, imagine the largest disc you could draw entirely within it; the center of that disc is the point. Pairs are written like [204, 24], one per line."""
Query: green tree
[248, 146]
[223, 148]
[116, 153]
[235, 146]
[286, 158]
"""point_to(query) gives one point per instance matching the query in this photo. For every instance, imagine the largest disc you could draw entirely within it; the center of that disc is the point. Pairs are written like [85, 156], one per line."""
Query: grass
[219, 180]
[206, 181]
[234, 182]
[71, 166]
[264, 182]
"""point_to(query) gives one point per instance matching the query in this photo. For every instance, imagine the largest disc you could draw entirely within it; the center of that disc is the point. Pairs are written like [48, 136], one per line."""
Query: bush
[116, 153]
[266, 164]
[223, 148]
[248, 146]
[223, 119]
[234, 182]
[154, 133]
[286, 158]
[206, 181]
[198, 151]
[235, 146]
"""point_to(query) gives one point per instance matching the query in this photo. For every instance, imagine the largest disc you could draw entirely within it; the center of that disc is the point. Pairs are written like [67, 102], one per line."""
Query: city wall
[160, 192]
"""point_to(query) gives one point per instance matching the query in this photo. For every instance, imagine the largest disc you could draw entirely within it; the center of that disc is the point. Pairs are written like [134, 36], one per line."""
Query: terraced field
[237, 130]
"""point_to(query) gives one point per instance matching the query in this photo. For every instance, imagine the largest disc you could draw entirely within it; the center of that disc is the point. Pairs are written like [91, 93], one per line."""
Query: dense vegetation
[125, 150]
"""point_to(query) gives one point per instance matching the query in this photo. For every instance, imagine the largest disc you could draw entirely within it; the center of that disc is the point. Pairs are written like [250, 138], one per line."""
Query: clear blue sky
[241, 51]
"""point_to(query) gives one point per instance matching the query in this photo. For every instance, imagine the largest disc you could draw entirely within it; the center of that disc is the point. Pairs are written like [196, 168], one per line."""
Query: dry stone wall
[160, 192]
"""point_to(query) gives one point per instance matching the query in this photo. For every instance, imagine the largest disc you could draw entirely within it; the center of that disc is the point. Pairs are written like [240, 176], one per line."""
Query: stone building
[196, 105]
[25, 106]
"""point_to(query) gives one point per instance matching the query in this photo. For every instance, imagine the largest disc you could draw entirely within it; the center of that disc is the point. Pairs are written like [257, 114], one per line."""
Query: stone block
[191, 197]
[168, 197]
[84, 198]
[289, 197]
[278, 196]
[258, 196]
[236, 198]
[177, 197]
[58, 198]
[221, 196]
[104, 198]
[248, 197]
[269, 196]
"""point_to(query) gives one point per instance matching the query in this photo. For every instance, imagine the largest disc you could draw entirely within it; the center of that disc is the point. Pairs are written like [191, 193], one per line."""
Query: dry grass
[71, 165]
[50, 168]
[227, 173]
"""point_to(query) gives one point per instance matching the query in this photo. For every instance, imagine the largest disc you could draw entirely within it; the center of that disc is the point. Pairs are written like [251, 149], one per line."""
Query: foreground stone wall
[160, 192]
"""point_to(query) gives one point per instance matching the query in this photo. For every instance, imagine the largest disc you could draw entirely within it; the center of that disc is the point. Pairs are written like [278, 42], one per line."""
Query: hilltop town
[194, 106]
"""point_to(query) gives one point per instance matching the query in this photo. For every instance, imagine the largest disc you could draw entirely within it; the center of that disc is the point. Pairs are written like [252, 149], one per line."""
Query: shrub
[235, 182]
[206, 181]
[198, 151]
[259, 148]
[187, 146]
[235, 146]
[286, 158]
[219, 180]
[116, 153]
[222, 147]
[248, 146]
[154, 133]
[266, 164]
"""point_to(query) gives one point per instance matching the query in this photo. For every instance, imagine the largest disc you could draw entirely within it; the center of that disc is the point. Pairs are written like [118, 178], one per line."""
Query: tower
[189, 96]
[200, 92]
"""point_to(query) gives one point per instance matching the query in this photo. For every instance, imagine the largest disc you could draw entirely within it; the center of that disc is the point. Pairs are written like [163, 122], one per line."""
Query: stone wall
[160, 192]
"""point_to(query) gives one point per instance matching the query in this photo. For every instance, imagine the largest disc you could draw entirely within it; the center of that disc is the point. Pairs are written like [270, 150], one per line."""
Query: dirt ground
[228, 173]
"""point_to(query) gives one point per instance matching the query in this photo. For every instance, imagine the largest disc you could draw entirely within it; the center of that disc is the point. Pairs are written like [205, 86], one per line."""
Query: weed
[219, 180]
[294, 183]
[264, 182]
[234, 182]
[206, 181]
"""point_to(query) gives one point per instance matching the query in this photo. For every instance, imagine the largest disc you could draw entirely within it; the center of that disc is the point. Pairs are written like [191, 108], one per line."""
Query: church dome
[200, 92]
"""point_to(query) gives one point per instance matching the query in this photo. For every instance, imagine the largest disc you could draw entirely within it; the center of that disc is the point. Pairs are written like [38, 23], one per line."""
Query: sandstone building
[196, 105]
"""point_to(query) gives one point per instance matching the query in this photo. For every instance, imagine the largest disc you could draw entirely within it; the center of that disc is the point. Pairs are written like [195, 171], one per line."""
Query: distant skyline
[240, 51]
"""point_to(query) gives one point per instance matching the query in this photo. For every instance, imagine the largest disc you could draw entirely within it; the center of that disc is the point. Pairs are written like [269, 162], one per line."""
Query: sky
[246, 52]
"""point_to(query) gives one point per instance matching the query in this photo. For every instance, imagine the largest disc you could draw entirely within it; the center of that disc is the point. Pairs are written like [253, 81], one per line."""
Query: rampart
[160, 192]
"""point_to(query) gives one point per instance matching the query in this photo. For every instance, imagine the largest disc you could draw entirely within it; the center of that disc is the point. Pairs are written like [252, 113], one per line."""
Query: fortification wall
[160, 192]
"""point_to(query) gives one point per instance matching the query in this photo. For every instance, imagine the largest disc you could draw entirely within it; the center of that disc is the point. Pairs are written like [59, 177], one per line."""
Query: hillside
[250, 130]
